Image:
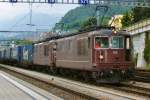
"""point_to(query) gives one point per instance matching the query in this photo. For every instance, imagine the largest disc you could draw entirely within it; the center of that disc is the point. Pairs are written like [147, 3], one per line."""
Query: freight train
[100, 54]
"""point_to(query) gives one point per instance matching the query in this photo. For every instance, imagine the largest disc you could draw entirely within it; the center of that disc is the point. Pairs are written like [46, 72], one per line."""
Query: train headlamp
[111, 72]
[101, 57]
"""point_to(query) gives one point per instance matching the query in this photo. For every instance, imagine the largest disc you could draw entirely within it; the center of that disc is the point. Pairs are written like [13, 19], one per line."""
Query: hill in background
[74, 18]
[43, 22]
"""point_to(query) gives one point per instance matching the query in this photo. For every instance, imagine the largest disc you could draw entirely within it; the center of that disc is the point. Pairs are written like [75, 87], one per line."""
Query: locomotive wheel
[86, 76]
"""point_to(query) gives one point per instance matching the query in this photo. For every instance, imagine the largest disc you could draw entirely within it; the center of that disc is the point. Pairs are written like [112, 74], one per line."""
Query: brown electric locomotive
[101, 54]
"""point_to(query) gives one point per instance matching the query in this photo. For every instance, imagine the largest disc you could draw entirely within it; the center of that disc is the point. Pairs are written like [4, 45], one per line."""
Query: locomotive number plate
[115, 52]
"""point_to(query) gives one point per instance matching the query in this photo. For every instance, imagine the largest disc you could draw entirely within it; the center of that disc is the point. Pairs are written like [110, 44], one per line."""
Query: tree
[23, 42]
[91, 21]
[135, 15]
[147, 49]
[127, 19]
[140, 13]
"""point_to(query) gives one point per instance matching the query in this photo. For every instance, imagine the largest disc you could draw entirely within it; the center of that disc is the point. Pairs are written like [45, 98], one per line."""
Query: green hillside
[74, 18]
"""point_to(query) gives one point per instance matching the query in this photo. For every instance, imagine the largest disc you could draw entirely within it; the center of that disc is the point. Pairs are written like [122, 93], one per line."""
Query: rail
[78, 87]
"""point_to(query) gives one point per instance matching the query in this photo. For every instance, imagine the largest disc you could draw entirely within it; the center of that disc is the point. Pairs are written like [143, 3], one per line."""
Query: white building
[140, 32]
[138, 48]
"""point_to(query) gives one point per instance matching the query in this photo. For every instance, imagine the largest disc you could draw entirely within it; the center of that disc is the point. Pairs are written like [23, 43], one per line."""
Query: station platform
[12, 88]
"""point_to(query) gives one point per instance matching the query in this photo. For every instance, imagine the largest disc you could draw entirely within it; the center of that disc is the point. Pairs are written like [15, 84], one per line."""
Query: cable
[20, 20]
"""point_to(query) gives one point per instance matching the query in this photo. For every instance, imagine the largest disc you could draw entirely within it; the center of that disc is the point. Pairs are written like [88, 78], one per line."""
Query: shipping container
[8, 53]
[27, 51]
[16, 53]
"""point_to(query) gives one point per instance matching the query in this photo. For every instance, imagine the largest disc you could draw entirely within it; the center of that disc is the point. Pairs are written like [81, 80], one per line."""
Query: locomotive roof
[105, 32]
[92, 30]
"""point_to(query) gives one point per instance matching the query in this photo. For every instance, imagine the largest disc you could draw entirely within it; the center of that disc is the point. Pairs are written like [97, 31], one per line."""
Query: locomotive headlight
[101, 57]
[123, 71]
[111, 72]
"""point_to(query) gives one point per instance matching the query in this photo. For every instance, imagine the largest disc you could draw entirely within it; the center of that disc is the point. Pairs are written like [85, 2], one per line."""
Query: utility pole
[30, 15]
[30, 4]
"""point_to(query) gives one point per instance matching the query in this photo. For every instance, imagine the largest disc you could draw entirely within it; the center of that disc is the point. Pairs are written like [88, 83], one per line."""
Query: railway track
[64, 93]
[132, 87]
[83, 91]
[135, 88]
[142, 75]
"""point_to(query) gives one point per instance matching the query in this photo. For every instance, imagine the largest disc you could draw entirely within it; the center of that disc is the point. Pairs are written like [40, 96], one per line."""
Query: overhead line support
[85, 2]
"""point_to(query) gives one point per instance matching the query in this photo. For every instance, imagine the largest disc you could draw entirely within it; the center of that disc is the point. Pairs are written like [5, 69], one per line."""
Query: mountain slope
[75, 17]
[42, 22]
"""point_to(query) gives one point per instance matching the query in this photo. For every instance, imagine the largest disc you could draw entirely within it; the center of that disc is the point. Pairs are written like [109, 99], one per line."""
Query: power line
[21, 19]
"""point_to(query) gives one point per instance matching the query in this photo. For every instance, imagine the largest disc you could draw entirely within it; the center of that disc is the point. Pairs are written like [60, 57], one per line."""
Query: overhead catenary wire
[24, 17]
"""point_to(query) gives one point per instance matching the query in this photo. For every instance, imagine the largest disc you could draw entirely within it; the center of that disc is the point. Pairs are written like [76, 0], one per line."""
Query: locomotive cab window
[101, 42]
[117, 42]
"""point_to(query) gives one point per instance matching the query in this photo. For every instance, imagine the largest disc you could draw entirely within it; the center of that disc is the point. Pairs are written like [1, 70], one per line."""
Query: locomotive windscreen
[117, 42]
[101, 42]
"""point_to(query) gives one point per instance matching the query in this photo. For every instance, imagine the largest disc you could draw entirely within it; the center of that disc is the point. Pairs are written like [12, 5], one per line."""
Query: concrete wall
[138, 47]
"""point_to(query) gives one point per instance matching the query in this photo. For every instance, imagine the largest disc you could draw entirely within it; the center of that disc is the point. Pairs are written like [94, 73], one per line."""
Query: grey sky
[9, 11]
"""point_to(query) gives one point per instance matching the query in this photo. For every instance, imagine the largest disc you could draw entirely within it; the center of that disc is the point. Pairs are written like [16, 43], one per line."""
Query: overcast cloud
[9, 11]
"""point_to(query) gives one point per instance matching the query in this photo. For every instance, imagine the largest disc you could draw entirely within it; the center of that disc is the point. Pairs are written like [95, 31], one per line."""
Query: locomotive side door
[53, 54]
